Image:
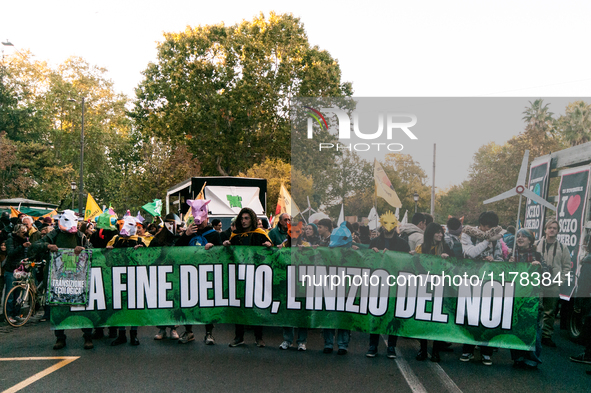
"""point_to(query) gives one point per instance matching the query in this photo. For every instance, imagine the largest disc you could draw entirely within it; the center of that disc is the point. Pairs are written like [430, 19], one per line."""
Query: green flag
[154, 208]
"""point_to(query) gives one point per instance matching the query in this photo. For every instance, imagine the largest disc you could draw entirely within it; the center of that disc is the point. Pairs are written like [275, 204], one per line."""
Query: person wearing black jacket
[202, 235]
[63, 238]
[17, 246]
[388, 240]
[435, 245]
[167, 236]
[247, 234]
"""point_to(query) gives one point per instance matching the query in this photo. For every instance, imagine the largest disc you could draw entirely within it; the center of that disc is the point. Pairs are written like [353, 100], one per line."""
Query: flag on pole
[341, 215]
[373, 219]
[405, 219]
[384, 186]
[285, 204]
[14, 212]
[200, 195]
[154, 208]
[92, 208]
[50, 214]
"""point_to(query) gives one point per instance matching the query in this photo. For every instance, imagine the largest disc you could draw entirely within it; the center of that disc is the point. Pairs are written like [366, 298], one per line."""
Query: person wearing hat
[105, 231]
[525, 251]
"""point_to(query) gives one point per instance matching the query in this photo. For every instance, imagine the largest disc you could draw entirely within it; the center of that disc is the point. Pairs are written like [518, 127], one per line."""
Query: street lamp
[7, 43]
[81, 189]
[73, 186]
[416, 199]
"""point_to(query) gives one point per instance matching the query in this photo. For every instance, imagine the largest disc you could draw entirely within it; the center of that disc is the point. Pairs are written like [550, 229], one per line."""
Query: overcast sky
[386, 49]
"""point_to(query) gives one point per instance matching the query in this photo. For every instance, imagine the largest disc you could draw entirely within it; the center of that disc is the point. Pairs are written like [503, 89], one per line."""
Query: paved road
[166, 366]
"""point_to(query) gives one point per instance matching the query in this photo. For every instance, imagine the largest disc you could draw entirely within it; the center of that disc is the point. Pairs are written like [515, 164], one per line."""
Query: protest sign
[68, 277]
[418, 296]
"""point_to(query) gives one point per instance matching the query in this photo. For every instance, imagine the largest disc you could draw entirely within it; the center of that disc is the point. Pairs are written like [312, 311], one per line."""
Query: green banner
[418, 296]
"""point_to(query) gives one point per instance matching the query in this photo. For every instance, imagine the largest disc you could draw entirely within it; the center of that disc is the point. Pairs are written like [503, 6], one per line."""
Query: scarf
[480, 235]
[258, 230]
[528, 255]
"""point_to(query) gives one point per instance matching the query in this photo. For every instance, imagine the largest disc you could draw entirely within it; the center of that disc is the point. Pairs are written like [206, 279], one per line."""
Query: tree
[406, 176]
[154, 167]
[44, 126]
[454, 201]
[225, 92]
[576, 123]
[276, 172]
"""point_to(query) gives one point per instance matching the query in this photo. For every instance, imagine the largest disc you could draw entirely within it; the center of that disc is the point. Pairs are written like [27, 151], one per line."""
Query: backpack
[404, 236]
[200, 240]
[456, 247]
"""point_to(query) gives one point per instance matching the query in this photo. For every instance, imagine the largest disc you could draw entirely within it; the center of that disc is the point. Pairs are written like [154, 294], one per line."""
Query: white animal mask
[129, 227]
[68, 222]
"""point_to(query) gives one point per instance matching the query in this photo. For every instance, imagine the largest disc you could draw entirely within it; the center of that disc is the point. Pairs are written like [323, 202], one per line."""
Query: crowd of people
[22, 237]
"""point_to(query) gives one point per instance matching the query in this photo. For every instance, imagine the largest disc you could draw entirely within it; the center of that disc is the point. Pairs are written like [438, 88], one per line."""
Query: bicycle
[28, 294]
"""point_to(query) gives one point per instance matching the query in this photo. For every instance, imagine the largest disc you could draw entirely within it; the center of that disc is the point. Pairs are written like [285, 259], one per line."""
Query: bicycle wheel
[24, 305]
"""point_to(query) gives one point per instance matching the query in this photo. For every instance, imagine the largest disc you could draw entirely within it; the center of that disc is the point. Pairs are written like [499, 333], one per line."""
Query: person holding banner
[482, 244]
[388, 239]
[435, 245]
[279, 234]
[67, 236]
[340, 237]
[525, 251]
[557, 257]
[167, 236]
[247, 234]
[127, 238]
[199, 234]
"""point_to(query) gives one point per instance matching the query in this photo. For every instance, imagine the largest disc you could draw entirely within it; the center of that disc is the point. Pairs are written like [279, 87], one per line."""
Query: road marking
[411, 378]
[449, 384]
[413, 381]
[65, 361]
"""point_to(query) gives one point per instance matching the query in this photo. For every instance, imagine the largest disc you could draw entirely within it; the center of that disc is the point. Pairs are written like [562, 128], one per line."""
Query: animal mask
[389, 221]
[103, 221]
[341, 236]
[139, 218]
[68, 222]
[129, 226]
[199, 210]
[294, 231]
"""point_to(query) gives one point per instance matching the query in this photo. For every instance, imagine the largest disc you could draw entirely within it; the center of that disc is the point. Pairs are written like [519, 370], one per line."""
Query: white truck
[228, 196]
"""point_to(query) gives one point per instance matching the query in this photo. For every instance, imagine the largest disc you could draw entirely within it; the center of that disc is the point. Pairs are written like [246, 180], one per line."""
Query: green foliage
[225, 92]
[276, 172]
[454, 202]
[575, 124]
